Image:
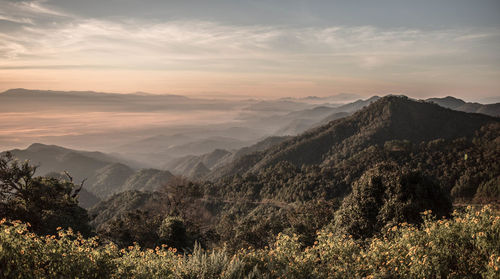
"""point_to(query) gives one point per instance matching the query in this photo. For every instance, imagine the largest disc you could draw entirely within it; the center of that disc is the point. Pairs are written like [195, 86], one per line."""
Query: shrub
[466, 246]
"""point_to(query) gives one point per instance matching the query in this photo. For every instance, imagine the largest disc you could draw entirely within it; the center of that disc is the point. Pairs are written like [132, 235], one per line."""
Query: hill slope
[460, 105]
[390, 118]
[104, 174]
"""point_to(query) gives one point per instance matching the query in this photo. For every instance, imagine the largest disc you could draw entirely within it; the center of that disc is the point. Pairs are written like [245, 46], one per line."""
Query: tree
[133, 227]
[172, 231]
[387, 195]
[46, 203]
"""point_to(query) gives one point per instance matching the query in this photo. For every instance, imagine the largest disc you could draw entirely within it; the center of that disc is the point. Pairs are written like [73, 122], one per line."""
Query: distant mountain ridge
[389, 118]
[104, 174]
[331, 135]
[392, 144]
[197, 167]
[460, 105]
[101, 101]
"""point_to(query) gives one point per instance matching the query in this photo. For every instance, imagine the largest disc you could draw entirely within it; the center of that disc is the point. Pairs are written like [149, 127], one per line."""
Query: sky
[253, 48]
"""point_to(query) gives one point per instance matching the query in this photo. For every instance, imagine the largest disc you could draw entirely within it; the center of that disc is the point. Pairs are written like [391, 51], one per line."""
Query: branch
[77, 191]
[69, 176]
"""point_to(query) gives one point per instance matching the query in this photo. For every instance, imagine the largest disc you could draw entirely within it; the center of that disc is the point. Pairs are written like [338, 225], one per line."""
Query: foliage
[465, 246]
[388, 195]
[44, 202]
[133, 227]
[250, 209]
[173, 232]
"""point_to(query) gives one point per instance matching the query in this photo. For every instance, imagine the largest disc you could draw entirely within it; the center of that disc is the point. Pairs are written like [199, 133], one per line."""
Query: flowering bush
[466, 246]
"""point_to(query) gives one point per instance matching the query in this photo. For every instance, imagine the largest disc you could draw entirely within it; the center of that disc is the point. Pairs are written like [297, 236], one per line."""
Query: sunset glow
[66, 45]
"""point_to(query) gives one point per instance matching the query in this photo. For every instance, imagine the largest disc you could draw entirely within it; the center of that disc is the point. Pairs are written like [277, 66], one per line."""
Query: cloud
[36, 7]
[44, 44]
[24, 20]
[187, 45]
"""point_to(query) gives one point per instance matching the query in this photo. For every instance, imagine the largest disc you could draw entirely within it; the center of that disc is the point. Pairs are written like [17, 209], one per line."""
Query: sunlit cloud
[208, 45]
[49, 39]
[35, 8]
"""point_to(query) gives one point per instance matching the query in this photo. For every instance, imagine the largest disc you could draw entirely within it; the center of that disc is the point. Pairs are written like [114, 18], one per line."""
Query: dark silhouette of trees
[388, 195]
[46, 203]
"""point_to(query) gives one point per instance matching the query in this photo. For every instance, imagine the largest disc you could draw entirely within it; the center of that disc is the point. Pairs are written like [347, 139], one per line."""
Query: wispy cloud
[201, 45]
[46, 38]
[31, 8]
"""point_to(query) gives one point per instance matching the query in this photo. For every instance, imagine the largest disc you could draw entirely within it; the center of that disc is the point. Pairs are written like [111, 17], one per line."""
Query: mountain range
[282, 183]
[103, 174]
[391, 118]
[333, 135]
[460, 105]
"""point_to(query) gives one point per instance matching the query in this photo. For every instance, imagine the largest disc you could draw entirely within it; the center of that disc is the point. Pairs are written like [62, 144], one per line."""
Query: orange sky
[241, 84]
[75, 45]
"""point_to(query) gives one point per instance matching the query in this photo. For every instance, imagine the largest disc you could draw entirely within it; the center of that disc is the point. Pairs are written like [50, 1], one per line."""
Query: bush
[172, 231]
[466, 246]
[387, 195]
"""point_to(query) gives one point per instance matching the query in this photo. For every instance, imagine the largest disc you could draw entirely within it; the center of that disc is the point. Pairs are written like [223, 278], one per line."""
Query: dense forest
[394, 190]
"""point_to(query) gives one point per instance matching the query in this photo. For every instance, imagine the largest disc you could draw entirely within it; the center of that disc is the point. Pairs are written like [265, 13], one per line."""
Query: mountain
[331, 117]
[110, 179]
[155, 143]
[146, 180]
[164, 151]
[396, 153]
[198, 167]
[460, 105]
[52, 158]
[198, 171]
[202, 146]
[76, 100]
[291, 123]
[299, 121]
[124, 202]
[259, 146]
[104, 175]
[186, 165]
[390, 118]
[338, 98]
[86, 199]
[356, 105]
[447, 102]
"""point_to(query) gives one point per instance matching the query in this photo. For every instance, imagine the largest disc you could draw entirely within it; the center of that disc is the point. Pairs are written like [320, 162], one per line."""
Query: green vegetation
[466, 246]
[46, 203]
[386, 196]
[342, 201]
[363, 184]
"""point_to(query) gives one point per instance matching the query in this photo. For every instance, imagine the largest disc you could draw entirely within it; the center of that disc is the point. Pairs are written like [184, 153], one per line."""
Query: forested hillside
[391, 118]
[102, 174]
[417, 152]
[460, 105]
[365, 179]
